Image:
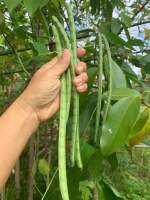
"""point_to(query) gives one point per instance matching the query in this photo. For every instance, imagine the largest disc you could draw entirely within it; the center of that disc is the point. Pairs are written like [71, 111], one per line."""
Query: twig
[49, 184]
[16, 54]
[140, 9]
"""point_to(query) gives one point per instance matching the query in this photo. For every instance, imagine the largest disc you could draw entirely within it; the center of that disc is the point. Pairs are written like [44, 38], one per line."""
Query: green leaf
[129, 72]
[92, 71]
[136, 42]
[85, 188]
[119, 93]
[11, 4]
[118, 77]
[110, 192]
[115, 25]
[116, 129]
[40, 48]
[43, 167]
[95, 4]
[113, 161]
[145, 59]
[126, 19]
[95, 166]
[140, 122]
[146, 96]
[87, 151]
[33, 5]
[147, 68]
[115, 39]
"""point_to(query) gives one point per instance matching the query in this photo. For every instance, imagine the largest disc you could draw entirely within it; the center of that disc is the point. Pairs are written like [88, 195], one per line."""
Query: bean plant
[85, 152]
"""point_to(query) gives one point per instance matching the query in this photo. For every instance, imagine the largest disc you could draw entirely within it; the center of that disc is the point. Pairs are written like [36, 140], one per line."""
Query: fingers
[82, 78]
[62, 64]
[82, 88]
[81, 67]
[81, 82]
[81, 52]
[64, 60]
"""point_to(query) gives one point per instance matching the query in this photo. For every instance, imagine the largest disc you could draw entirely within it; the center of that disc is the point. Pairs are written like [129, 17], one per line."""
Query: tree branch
[140, 23]
[140, 9]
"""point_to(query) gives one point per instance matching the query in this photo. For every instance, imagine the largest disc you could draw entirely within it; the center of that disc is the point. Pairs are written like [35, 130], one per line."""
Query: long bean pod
[75, 129]
[62, 127]
[100, 87]
[110, 78]
[68, 46]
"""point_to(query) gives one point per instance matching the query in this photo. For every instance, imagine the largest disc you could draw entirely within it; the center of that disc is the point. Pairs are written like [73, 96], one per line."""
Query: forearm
[17, 124]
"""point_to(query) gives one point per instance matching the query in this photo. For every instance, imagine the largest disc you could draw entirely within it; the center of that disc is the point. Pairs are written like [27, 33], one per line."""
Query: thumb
[62, 64]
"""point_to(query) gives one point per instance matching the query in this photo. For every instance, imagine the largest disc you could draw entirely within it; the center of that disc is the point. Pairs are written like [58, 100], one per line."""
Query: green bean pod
[70, 71]
[110, 78]
[75, 129]
[62, 127]
[100, 87]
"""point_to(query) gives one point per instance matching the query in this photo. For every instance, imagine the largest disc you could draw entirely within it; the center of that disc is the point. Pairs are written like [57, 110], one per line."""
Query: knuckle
[81, 67]
[84, 77]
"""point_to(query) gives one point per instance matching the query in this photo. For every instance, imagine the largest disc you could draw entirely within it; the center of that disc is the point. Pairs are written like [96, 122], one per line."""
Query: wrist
[27, 111]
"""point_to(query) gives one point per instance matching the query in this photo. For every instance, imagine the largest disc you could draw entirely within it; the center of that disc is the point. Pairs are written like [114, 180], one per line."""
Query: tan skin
[38, 103]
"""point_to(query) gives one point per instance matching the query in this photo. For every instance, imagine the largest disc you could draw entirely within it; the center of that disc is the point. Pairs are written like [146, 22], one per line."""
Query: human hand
[42, 94]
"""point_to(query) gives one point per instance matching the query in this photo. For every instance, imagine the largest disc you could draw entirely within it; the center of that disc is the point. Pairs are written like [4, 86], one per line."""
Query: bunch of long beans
[101, 39]
[69, 42]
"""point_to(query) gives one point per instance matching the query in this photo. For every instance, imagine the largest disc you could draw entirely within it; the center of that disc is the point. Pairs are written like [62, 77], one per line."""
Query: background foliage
[26, 42]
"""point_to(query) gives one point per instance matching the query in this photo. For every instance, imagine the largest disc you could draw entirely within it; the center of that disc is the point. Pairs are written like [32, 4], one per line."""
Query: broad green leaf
[146, 96]
[129, 72]
[110, 192]
[95, 166]
[118, 77]
[40, 48]
[140, 122]
[43, 167]
[11, 4]
[92, 71]
[136, 42]
[33, 5]
[115, 39]
[87, 151]
[95, 4]
[113, 161]
[115, 25]
[116, 129]
[126, 19]
[147, 68]
[145, 59]
[119, 93]
[138, 138]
